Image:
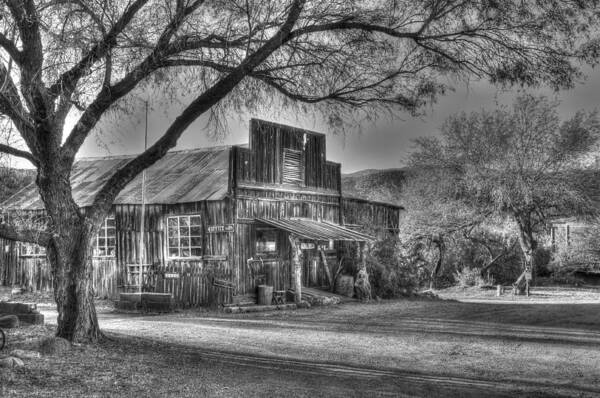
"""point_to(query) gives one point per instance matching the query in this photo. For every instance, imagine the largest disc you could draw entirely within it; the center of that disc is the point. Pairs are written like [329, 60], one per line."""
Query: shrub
[391, 272]
[467, 277]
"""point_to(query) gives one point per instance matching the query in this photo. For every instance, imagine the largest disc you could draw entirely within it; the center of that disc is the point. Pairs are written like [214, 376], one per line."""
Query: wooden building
[216, 220]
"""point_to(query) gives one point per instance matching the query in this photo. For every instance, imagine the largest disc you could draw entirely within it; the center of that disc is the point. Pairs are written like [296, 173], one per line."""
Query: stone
[11, 362]
[9, 321]
[24, 354]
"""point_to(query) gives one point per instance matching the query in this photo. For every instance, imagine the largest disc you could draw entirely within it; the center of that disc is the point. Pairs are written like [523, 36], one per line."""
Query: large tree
[515, 163]
[84, 59]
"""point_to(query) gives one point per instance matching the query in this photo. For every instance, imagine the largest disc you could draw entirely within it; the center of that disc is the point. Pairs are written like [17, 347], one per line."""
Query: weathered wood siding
[262, 163]
[195, 285]
[370, 215]
[260, 203]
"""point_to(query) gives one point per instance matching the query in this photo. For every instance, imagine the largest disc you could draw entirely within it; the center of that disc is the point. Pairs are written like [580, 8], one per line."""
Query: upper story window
[293, 167]
[106, 239]
[184, 236]
[31, 250]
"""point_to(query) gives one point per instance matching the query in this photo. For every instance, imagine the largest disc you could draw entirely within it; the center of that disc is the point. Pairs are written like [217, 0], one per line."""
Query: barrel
[265, 294]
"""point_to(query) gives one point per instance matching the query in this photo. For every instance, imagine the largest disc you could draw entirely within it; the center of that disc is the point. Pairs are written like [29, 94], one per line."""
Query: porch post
[297, 267]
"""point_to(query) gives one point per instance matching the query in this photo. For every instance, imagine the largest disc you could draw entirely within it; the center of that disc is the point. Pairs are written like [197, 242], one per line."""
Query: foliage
[392, 272]
[515, 164]
[467, 277]
[12, 180]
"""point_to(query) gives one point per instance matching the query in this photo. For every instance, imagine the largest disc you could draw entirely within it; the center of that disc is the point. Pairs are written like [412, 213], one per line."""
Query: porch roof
[317, 230]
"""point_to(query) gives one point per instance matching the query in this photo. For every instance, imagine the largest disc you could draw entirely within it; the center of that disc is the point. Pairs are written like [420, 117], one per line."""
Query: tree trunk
[528, 246]
[69, 255]
[439, 242]
[297, 266]
[362, 286]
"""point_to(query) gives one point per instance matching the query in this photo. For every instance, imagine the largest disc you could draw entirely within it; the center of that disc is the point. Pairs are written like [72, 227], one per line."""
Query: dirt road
[411, 348]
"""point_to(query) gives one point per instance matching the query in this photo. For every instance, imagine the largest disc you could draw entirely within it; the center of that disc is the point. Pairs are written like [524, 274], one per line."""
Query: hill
[11, 180]
[379, 185]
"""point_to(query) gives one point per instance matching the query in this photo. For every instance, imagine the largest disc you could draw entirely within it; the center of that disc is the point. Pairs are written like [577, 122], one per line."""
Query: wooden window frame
[198, 234]
[263, 253]
[105, 236]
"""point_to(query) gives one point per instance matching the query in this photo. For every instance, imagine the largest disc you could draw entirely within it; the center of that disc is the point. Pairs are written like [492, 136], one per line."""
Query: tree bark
[297, 267]
[439, 242]
[362, 286]
[528, 246]
[69, 255]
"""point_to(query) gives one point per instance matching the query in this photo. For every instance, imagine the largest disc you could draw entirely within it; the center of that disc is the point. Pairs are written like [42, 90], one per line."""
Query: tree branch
[19, 153]
[10, 47]
[38, 237]
[68, 80]
[201, 104]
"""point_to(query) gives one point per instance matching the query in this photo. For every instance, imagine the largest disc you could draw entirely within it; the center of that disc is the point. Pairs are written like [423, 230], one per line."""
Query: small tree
[515, 163]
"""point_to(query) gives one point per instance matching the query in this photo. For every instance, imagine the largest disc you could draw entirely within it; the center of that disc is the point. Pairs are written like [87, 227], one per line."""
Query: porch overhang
[317, 230]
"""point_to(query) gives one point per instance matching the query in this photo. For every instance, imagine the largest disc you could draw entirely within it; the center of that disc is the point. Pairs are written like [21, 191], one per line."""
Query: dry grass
[414, 347]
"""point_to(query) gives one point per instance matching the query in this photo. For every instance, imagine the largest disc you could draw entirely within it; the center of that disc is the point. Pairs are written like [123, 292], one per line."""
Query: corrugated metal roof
[317, 230]
[179, 177]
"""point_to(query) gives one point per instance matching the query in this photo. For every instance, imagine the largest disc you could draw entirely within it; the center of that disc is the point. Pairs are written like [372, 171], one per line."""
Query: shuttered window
[184, 236]
[293, 167]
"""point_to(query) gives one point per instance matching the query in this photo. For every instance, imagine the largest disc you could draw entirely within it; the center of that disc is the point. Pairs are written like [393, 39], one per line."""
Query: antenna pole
[142, 246]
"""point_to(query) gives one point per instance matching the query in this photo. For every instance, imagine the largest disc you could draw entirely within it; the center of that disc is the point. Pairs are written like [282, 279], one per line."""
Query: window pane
[173, 252]
[110, 222]
[184, 231]
[195, 220]
[101, 252]
[184, 221]
[111, 242]
[196, 241]
[173, 242]
[196, 251]
[172, 222]
[196, 230]
[101, 242]
[173, 232]
[184, 242]
[185, 252]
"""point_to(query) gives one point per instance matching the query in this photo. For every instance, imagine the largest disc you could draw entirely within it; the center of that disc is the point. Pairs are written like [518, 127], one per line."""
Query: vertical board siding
[376, 215]
[263, 162]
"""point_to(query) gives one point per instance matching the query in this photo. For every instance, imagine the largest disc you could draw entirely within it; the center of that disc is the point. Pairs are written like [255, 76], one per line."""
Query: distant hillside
[380, 185]
[11, 180]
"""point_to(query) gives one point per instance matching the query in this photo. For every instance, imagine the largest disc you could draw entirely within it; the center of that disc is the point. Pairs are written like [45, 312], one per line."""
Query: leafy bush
[467, 277]
[391, 272]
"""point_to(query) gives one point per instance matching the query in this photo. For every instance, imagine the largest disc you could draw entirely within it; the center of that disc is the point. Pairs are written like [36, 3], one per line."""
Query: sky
[378, 146]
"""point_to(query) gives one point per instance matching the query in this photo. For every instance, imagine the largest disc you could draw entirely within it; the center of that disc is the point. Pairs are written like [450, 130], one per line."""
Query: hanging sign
[213, 229]
[307, 245]
[171, 275]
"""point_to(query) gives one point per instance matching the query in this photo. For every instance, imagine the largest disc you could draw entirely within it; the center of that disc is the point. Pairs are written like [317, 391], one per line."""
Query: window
[106, 239]
[31, 250]
[293, 167]
[266, 241]
[184, 236]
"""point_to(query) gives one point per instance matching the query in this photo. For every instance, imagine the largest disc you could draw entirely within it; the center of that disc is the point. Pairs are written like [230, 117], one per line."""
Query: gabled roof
[179, 177]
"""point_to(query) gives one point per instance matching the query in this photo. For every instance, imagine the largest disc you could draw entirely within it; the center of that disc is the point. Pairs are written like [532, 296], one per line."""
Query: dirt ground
[486, 346]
